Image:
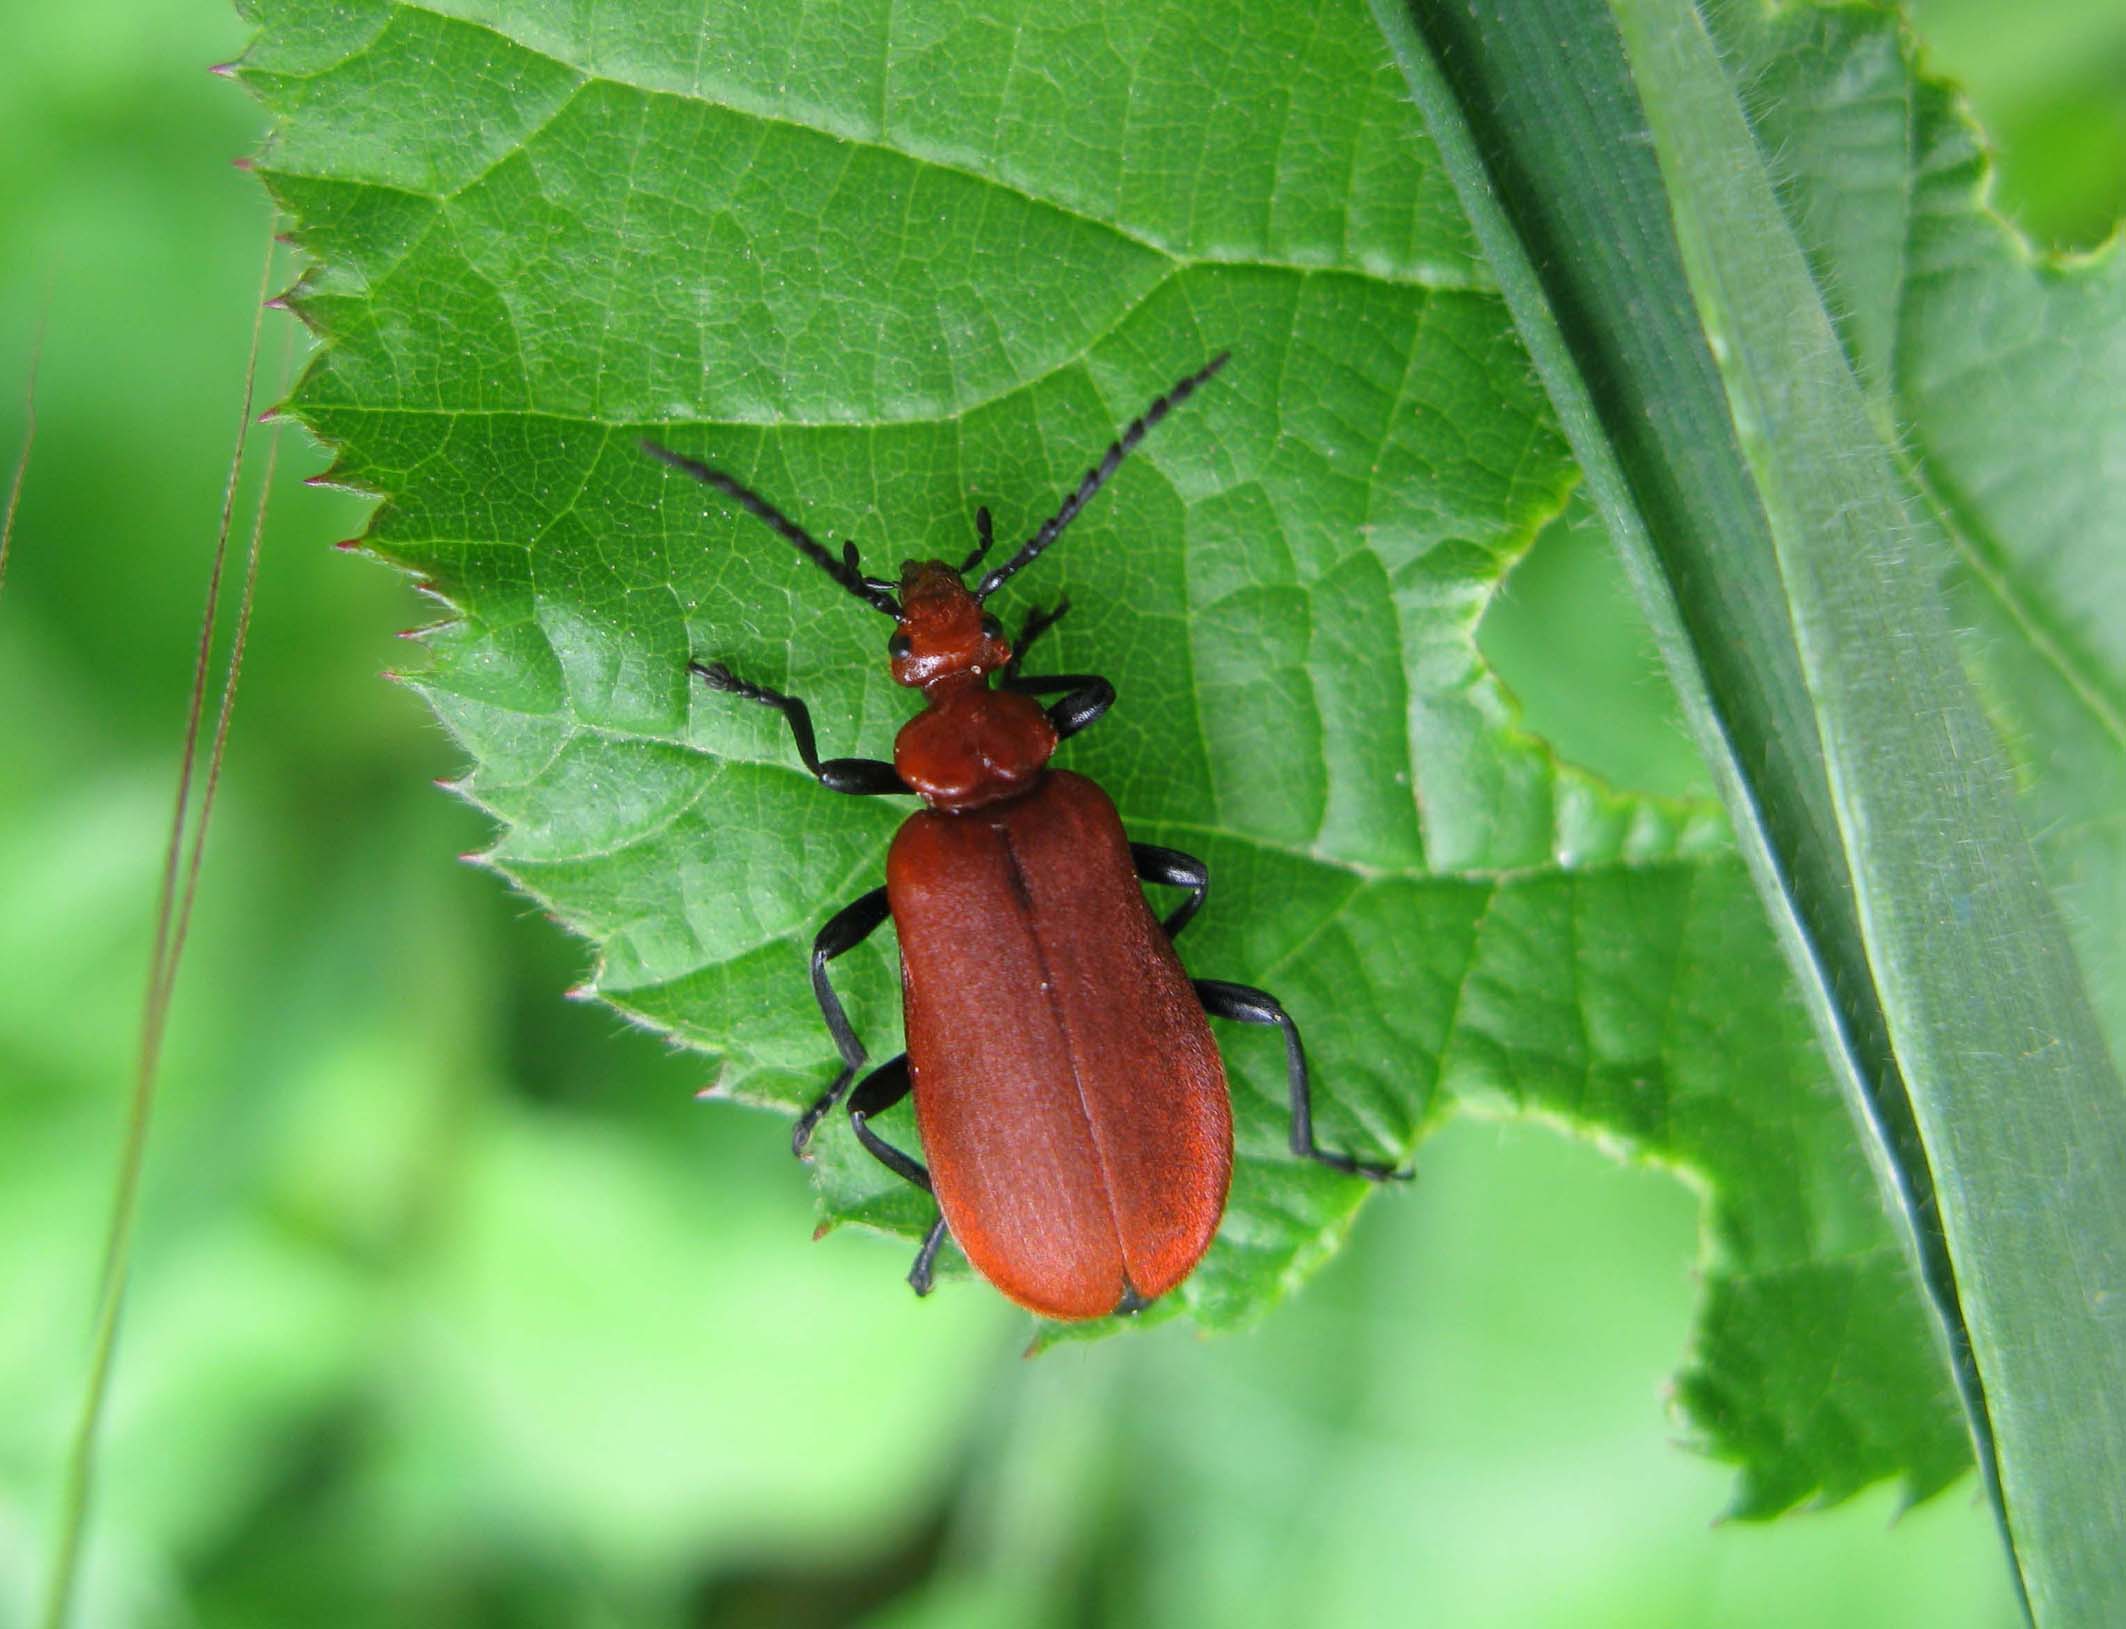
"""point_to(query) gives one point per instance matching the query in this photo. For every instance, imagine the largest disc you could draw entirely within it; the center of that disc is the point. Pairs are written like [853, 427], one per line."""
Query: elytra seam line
[1055, 1004]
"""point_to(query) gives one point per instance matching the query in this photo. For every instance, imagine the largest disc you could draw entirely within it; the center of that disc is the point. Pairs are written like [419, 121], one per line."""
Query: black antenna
[844, 570]
[1095, 479]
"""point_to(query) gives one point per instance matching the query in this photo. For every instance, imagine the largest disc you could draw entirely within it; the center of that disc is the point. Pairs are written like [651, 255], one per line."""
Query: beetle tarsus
[920, 1277]
[1355, 1167]
[1244, 1004]
[1038, 622]
[718, 677]
[857, 777]
[986, 535]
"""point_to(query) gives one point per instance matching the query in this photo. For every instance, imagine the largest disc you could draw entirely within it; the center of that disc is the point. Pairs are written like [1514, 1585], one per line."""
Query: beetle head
[942, 632]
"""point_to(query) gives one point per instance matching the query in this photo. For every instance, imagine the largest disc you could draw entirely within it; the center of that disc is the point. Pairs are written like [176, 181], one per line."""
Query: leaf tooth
[337, 478]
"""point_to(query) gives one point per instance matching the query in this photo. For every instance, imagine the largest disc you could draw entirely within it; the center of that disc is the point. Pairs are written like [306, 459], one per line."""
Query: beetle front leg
[1246, 1005]
[1086, 701]
[1038, 622]
[845, 930]
[1171, 868]
[858, 777]
[1089, 695]
[882, 1089]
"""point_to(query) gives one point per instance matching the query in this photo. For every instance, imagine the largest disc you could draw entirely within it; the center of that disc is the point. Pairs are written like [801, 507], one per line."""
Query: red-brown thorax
[970, 745]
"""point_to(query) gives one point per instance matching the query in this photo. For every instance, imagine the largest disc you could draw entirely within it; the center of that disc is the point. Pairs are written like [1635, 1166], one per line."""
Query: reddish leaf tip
[243, 161]
[223, 70]
[346, 545]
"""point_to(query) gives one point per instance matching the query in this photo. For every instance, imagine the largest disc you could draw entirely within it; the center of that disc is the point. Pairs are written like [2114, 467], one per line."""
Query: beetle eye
[992, 629]
[900, 647]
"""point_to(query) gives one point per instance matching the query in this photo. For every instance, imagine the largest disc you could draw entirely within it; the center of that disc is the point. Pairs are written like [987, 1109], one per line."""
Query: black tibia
[845, 930]
[1174, 869]
[881, 1090]
[859, 777]
[1086, 696]
[1246, 1005]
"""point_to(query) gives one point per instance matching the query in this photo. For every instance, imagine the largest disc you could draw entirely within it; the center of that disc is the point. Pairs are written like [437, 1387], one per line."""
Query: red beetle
[1071, 1101]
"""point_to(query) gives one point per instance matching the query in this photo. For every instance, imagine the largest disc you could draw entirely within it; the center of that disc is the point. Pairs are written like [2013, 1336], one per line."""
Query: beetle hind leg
[1246, 1005]
[919, 1276]
[881, 1090]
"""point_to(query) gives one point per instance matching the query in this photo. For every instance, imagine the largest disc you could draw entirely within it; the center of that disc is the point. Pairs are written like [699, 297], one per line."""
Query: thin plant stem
[172, 917]
[22, 459]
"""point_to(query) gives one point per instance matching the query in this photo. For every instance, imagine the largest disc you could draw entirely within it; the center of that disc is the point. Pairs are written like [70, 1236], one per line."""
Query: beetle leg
[1037, 623]
[845, 930]
[859, 777]
[985, 533]
[926, 1258]
[1089, 697]
[882, 1088]
[1171, 868]
[1246, 1005]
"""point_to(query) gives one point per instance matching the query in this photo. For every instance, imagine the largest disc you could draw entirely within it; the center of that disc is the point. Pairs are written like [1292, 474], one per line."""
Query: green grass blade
[1684, 337]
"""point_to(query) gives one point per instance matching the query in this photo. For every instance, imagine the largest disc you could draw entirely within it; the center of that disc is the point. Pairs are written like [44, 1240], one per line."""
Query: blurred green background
[451, 1307]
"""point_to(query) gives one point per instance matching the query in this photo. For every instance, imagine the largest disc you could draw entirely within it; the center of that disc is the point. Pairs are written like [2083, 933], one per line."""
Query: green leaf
[1747, 465]
[888, 266]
